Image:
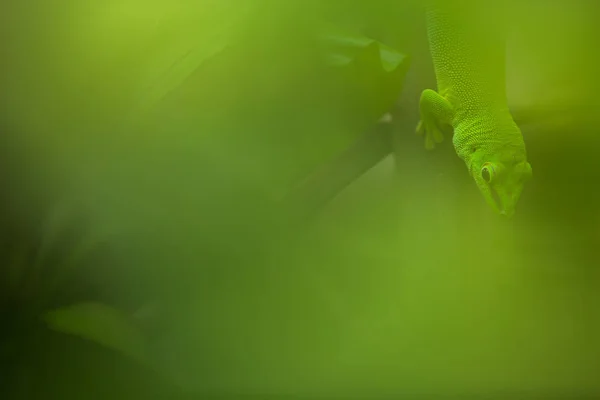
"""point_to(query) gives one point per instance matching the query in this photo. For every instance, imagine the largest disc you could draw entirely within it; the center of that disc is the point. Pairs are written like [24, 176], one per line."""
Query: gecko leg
[436, 113]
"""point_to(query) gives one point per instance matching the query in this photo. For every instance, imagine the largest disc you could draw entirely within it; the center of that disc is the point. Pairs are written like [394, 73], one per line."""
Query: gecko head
[500, 179]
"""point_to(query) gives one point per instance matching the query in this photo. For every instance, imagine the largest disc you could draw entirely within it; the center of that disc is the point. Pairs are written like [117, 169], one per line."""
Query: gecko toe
[419, 129]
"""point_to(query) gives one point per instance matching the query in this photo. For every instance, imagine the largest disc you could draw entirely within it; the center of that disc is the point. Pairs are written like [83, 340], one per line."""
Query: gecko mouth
[504, 204]
[498, 201]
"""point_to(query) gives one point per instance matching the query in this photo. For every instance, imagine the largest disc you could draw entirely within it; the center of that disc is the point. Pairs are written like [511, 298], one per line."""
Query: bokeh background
[217, 172]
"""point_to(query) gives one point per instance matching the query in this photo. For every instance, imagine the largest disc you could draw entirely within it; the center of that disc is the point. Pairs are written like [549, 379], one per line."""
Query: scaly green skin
[468, 53]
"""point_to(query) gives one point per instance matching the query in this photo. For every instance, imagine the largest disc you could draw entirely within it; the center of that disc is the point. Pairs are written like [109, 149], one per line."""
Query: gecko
[468, 49]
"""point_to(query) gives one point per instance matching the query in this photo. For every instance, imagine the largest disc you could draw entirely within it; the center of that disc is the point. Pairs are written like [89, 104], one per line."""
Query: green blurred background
[183, 162]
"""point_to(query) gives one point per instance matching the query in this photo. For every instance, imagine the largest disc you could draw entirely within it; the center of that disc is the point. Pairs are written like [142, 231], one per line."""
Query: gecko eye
[487, 173]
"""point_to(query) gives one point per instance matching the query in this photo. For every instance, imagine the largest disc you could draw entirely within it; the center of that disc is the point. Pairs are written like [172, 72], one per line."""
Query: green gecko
[468, 52]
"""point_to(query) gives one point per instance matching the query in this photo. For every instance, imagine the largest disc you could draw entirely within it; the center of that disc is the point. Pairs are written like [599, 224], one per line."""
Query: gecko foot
[433, 134]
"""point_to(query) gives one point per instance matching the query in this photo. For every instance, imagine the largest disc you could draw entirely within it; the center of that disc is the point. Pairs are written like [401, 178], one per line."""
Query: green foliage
[175, 125]
[372, 73]
[102, 324]
[232, 81]
[368, 77]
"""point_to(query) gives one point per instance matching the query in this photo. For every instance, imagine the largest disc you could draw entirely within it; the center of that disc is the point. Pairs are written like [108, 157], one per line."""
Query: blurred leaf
[366, 80]
[198, 35]
[302, 100]
[372, 74]
[345, 48]
[102, 324]
[362, 60]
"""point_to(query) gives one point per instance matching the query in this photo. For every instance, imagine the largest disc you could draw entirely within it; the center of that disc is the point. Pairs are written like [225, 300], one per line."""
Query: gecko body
[467, 47]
